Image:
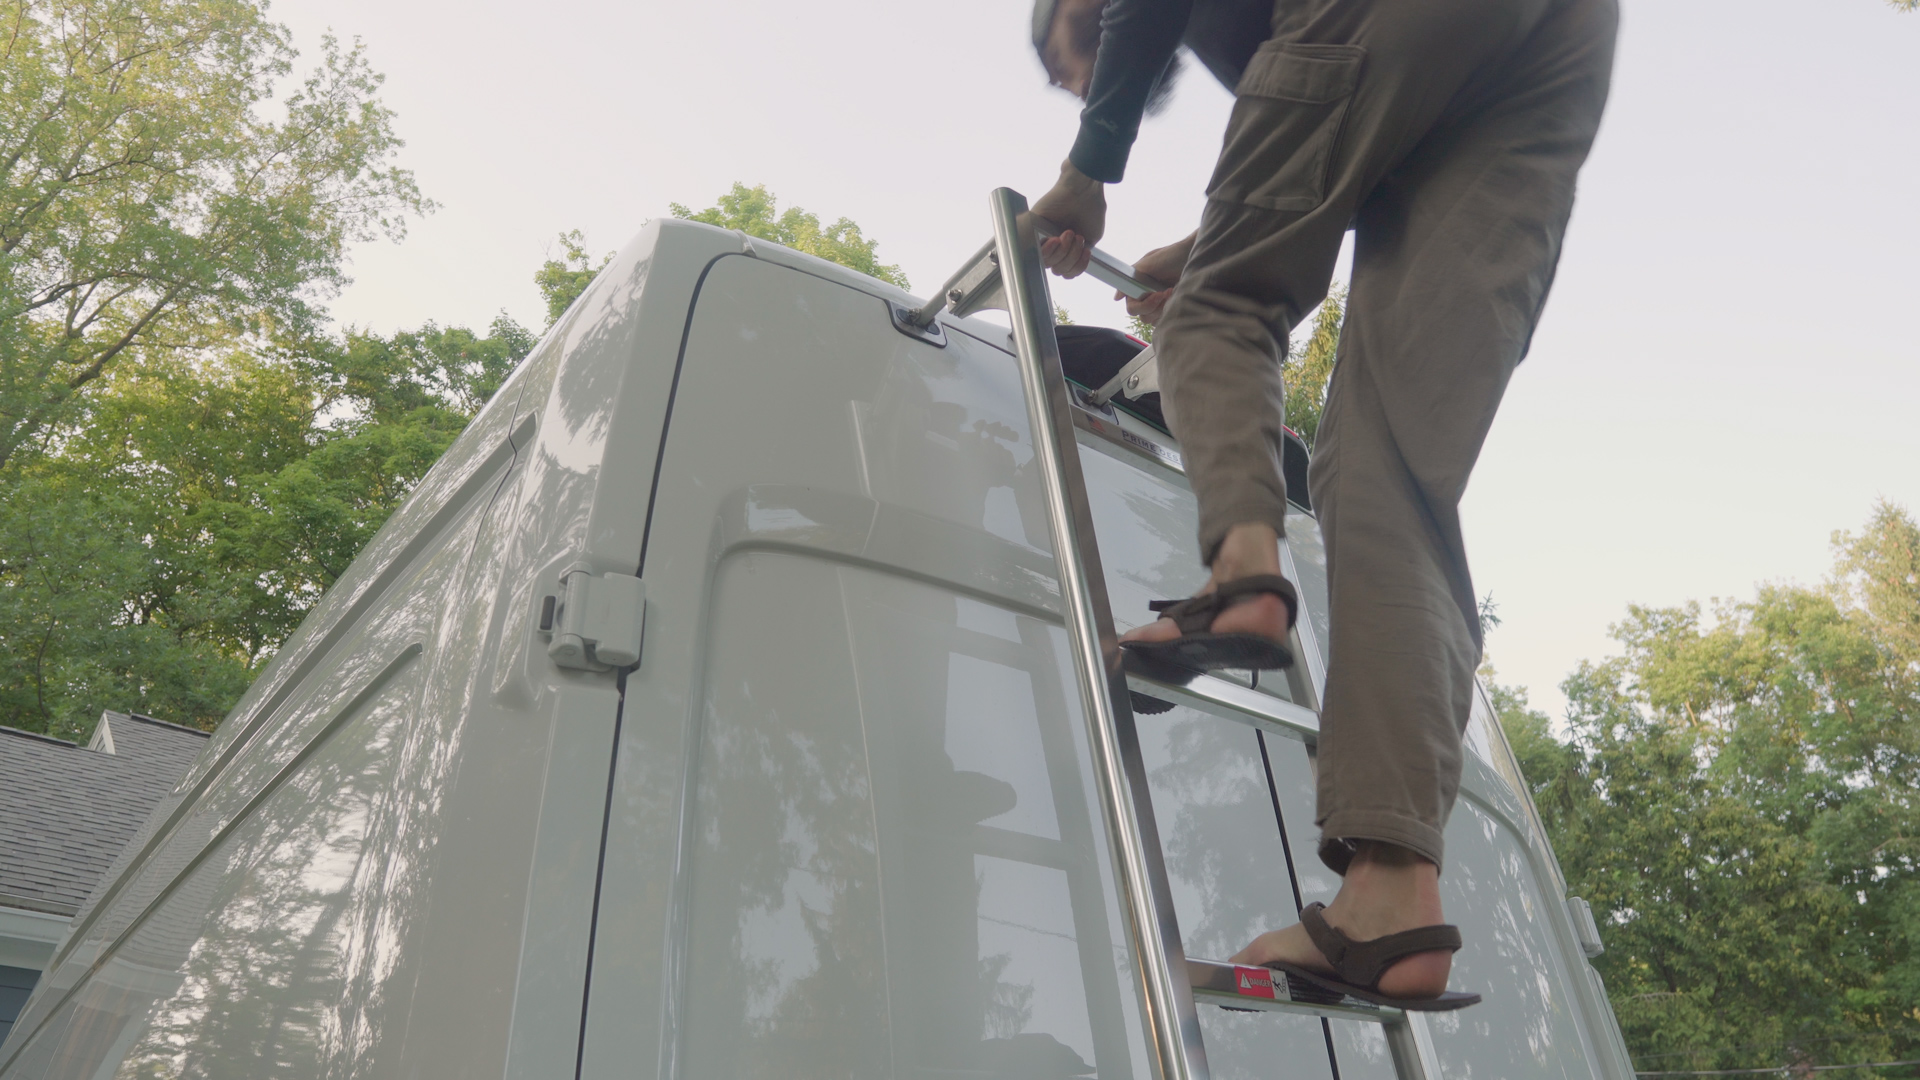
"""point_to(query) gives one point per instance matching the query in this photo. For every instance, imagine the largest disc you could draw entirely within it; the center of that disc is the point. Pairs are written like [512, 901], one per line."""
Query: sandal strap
[1195, 614]
[1363, 962]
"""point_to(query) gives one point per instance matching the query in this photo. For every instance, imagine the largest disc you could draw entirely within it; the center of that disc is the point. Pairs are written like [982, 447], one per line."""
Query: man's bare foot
[1247, 550]
[1387, 889]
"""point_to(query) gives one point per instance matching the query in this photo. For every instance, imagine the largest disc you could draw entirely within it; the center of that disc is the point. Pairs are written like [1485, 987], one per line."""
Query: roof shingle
[66, 810]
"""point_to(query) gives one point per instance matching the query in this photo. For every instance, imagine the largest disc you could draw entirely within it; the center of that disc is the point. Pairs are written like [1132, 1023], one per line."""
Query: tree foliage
[1737, 798]
[148, 208]
[170, 524]
[1307, 374]
[194, 508]
[561, 281]
[752, 210]
[184, 509]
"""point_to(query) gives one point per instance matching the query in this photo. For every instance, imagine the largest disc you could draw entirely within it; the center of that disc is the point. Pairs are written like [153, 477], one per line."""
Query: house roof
[66, 810]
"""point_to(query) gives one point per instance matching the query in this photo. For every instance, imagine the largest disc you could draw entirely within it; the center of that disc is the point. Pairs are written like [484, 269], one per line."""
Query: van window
[1227, 866]
[899, 866]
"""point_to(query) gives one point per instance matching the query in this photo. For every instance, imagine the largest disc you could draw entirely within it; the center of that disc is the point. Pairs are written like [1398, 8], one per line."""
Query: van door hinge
[595, 621]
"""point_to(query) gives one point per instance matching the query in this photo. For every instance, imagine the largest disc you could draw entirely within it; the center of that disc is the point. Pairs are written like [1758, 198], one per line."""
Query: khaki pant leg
[1341, 95]
[1455, 253]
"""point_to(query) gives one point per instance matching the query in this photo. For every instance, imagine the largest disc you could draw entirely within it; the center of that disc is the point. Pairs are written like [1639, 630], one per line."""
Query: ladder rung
[1234, 702]
[1233, 986]
[1106, 269]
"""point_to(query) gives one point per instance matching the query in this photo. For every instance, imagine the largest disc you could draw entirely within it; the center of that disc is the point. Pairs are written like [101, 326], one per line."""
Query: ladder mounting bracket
[1140, 376]
[929, 332]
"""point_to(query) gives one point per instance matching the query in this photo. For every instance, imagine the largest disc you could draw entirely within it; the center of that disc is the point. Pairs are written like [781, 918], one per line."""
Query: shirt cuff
[1101, 155]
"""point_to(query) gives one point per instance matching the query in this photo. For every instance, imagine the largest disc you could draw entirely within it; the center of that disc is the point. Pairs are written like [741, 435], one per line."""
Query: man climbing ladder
[1448, 135]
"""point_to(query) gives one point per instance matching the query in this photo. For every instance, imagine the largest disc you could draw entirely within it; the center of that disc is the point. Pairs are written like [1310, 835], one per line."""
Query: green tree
[1306, 375]
[182, 509]
[752, 210]
[1736, 797]
[194, 507]
[79, 585]
[148, 209]
[561, 281]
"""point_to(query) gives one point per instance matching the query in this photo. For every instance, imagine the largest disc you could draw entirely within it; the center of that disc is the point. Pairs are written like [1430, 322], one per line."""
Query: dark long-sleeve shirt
[1137, 42]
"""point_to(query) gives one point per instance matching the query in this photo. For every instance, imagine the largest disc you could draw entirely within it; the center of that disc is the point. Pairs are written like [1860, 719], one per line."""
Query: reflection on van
[838, 821]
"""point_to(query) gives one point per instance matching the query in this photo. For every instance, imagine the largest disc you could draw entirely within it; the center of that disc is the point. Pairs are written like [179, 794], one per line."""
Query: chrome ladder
[1006, 273]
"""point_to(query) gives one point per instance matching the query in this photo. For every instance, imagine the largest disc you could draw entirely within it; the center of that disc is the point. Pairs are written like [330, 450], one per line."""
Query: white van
[708, 712]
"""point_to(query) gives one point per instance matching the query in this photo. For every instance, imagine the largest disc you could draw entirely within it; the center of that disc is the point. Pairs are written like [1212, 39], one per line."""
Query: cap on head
[1042, 22]
[1066, 34]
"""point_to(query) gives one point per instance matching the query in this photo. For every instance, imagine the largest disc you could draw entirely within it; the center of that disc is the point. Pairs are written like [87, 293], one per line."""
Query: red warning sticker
[1253, 981]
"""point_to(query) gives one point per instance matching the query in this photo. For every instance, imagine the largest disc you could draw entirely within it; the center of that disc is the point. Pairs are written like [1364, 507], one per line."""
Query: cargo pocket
[1287, 114]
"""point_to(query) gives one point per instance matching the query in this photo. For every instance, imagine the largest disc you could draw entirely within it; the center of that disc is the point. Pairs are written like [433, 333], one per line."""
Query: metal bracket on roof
[1140, 376]
[903, 322]
[975, 287]
[978, 287]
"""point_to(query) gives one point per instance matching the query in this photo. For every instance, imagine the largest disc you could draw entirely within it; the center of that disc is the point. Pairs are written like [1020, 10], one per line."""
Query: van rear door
[855, 738]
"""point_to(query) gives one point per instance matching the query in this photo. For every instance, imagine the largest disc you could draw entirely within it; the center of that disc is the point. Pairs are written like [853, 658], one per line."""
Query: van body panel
[838, 821]
[1227, 862]
[336, 899]
[1491, 893]
[898, 873]
[466, 473]
[818, 452]
[475, 897]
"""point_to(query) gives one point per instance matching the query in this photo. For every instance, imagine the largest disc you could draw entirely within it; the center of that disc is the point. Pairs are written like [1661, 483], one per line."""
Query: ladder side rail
[1173, 1024]
[1411, 1045]
[1310, 674]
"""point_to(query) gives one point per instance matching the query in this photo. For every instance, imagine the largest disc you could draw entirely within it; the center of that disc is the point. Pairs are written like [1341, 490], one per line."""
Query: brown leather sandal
[1358, 965]
[1198, 649]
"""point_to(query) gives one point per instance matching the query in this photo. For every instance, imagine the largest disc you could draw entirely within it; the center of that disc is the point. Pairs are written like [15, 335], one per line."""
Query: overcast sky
[1726, 372]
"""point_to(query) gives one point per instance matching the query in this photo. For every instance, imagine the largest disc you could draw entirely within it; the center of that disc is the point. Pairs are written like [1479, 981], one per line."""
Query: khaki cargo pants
[1448, 134]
